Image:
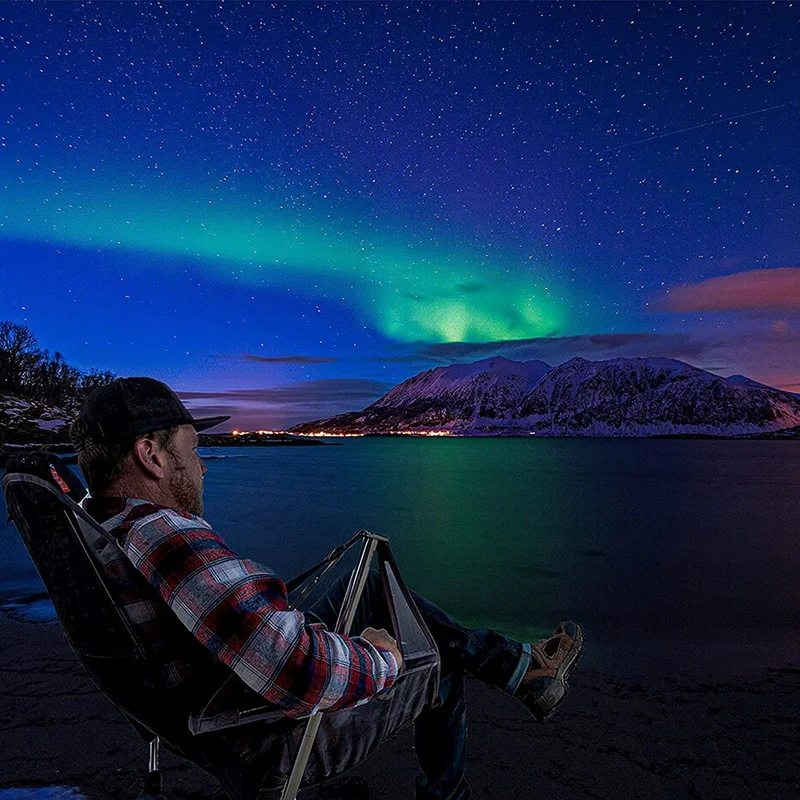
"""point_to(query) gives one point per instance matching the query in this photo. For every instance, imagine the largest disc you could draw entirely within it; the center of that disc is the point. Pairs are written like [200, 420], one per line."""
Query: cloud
[469, 287]
[557, 349]
[410, 358]
[781, 327]
[754, 290]
[287, 359]
[301, 392]
[281, 407]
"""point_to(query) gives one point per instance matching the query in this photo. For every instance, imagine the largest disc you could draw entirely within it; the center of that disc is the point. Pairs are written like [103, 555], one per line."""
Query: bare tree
[28, 371]
[53, 380]
[19, 353]
[92, 380]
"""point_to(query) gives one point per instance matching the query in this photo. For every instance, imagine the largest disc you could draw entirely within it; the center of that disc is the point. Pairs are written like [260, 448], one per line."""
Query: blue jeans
[440, 733]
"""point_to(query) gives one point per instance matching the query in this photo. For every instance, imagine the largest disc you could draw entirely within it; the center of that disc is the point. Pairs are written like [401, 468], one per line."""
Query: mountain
[460, 396]
[651, 396]
[618, 397]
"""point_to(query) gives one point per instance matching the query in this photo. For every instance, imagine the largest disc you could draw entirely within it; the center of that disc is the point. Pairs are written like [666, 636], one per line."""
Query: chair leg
[152, 783]
[154, 755]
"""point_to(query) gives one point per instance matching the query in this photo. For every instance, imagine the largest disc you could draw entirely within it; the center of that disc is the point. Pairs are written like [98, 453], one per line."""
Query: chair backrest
[41, 511]
[96, 592]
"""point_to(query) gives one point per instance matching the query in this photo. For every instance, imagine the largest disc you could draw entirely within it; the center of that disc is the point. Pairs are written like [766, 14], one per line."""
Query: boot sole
[547, 701]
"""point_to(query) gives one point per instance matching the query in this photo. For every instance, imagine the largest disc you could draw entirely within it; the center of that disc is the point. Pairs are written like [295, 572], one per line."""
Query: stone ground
[611, 739]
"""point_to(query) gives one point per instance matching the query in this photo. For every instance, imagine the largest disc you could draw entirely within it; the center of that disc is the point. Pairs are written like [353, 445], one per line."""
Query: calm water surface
[680, 558]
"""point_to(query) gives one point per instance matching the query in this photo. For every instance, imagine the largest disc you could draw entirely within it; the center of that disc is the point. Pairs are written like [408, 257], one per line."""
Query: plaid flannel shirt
[238, 609]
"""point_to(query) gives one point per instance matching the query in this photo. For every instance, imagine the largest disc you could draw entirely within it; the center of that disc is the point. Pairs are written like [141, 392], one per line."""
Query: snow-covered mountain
[618, 397]
[651, 396]
[491, 389]
[459, 396]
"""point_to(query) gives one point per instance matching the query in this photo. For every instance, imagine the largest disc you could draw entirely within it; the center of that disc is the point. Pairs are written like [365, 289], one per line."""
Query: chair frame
[211, 718]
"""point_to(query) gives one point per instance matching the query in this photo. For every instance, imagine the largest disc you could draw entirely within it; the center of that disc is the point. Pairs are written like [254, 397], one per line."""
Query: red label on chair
[59, 480]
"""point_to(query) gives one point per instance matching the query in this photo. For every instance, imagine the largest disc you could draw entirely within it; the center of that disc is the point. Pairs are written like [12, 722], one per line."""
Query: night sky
[284, 209]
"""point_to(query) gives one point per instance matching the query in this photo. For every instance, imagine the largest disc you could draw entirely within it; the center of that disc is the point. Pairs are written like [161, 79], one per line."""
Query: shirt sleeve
[238, 609]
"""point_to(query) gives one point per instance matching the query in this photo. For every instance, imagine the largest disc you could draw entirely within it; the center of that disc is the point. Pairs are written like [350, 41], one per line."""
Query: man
[137, 449]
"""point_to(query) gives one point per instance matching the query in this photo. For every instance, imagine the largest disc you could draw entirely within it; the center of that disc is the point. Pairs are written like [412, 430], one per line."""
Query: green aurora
[407, 290]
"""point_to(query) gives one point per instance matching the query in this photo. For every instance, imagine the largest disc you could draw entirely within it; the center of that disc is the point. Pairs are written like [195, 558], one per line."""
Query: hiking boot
[544, 685]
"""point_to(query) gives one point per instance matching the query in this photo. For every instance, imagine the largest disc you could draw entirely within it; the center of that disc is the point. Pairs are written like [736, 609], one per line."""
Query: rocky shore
[646, 740]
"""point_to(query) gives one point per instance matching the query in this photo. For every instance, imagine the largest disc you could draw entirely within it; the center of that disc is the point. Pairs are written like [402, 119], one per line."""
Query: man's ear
[150, 457]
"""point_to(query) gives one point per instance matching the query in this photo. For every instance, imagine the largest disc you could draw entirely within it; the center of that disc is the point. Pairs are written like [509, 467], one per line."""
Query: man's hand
[383, 639]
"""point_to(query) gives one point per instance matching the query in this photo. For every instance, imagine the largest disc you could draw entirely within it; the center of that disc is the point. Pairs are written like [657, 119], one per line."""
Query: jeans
[440, 733]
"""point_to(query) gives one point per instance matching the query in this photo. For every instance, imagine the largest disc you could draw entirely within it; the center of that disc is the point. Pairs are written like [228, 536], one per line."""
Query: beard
[188, 496]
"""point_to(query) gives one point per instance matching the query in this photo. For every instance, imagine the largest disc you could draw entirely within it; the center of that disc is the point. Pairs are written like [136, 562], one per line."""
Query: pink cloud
[755, 290]
[780, 327]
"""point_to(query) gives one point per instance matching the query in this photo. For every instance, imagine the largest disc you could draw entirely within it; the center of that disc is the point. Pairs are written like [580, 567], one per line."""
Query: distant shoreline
[206, 440]
[288, 440]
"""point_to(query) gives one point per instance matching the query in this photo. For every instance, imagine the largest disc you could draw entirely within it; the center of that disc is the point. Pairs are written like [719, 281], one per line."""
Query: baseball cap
[130, 407]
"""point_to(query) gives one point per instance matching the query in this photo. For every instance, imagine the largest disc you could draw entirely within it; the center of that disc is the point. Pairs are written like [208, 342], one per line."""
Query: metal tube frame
[153, 765]
[347, 612]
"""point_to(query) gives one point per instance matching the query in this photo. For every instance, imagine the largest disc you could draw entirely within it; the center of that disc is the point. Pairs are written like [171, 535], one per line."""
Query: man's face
[185, 480]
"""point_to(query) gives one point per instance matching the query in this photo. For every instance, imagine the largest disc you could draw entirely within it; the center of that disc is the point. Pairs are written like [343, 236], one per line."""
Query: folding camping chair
[91, 583]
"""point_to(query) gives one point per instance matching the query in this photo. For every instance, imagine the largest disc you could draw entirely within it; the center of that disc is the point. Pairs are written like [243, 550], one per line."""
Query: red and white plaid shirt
[238, 609]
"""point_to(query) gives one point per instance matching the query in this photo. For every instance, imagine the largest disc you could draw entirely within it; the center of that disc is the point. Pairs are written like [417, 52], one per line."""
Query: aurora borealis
[291, 206]
[407, 292]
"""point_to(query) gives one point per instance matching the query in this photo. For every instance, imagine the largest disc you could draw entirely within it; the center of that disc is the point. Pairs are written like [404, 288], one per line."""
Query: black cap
[130, 407]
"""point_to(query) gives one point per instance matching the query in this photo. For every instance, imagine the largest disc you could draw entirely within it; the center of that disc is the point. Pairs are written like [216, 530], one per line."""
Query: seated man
[136, 444]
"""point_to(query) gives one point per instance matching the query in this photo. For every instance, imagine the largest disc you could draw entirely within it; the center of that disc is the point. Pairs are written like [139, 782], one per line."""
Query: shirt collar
[102, 507]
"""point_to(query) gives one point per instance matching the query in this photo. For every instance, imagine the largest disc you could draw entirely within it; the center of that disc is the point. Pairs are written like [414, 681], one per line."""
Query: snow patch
[50, 424]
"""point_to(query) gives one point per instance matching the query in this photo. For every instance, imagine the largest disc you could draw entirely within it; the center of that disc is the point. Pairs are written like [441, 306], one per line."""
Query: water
[680, 557]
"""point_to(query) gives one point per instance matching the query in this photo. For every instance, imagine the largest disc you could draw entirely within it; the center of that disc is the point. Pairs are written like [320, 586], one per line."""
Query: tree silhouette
[30, 372]
[19, 354]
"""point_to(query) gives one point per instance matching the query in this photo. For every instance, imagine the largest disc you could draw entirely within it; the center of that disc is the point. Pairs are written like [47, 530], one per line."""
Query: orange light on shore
[329, 435]
[420, 433]
[257, 433]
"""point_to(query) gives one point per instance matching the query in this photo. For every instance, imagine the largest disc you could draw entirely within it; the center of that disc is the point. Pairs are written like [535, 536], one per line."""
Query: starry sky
[283, 209]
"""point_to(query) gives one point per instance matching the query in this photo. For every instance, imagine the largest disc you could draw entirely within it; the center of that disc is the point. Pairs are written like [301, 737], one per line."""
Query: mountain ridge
[651, 396]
